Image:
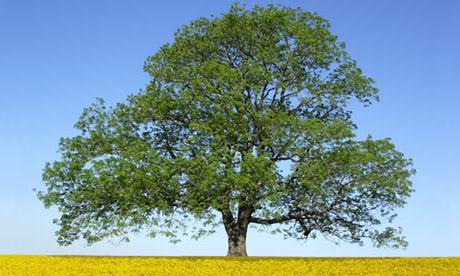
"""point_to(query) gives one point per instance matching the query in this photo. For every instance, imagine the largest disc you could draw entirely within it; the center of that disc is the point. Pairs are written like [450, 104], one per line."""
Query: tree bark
[236, 231]
[237, 242]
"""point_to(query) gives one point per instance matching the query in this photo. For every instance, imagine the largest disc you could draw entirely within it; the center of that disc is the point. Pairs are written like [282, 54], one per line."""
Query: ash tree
[246, 120]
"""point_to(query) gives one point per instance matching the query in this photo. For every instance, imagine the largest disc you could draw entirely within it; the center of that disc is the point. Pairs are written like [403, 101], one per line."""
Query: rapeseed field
[99, 265]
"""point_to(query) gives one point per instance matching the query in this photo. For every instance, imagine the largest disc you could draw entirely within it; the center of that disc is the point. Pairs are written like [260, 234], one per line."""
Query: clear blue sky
[56, 57]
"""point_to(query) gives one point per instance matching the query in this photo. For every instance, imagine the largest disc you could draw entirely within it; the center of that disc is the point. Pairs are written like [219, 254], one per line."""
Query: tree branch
[271, 221]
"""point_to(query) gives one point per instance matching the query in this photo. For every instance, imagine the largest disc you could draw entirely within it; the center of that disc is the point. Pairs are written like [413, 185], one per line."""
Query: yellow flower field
[95, 265]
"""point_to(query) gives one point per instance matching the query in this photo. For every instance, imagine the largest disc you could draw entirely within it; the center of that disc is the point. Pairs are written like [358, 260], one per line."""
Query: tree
[245, 120]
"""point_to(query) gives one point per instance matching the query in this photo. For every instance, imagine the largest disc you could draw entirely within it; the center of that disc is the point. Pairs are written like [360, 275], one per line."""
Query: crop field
[100, 265]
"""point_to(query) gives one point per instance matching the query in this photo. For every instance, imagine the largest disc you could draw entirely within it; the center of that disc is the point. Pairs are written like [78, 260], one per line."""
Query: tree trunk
[237, 241]
[237, 230]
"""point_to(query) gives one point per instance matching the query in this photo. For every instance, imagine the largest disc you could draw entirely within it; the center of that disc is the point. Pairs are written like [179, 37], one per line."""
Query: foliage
[246, 118]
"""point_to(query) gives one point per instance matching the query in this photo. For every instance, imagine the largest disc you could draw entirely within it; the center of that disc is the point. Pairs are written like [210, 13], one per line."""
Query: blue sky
[56, 57]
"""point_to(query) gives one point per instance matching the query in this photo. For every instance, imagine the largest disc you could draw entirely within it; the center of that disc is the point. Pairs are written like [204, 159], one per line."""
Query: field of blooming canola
[99, 265]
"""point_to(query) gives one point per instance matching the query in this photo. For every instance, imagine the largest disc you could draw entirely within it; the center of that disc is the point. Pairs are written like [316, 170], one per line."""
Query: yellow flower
[95, 265]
